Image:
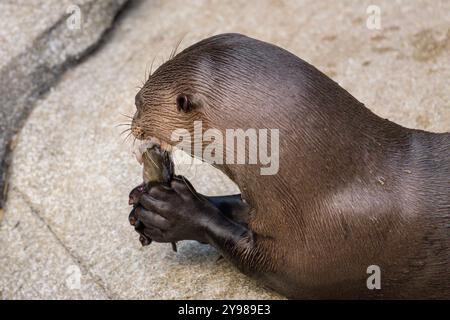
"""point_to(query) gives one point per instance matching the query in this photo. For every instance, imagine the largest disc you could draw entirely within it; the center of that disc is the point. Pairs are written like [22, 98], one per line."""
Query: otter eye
[183, 103]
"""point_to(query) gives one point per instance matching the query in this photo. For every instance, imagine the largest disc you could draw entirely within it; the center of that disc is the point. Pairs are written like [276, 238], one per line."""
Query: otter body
[352, 190]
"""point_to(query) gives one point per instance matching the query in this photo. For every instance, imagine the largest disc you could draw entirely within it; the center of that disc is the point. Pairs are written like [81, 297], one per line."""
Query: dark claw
[144, 240]
[174, 246]
[132, 217]
[139, 227]
[135, 194]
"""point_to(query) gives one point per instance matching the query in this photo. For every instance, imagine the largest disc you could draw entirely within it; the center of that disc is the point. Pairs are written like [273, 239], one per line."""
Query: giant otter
[353, 189]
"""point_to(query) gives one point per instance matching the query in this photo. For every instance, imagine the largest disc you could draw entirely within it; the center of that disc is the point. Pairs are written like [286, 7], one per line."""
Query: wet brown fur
[353, 189]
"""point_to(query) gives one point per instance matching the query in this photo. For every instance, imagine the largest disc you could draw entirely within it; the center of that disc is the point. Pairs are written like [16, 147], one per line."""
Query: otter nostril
[137, 131]
[139, 100]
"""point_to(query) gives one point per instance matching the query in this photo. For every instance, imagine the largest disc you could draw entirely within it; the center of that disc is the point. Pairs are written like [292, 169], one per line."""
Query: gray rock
[38, 44]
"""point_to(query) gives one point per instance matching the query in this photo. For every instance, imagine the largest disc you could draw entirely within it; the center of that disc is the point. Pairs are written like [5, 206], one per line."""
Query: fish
[158, 167]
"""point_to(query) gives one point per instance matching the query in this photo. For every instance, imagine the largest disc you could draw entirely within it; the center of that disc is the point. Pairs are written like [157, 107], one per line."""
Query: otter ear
[184, 103]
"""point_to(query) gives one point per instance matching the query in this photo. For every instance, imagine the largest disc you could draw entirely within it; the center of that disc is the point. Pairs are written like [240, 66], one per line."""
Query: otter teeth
[138, 156]
[142, 147]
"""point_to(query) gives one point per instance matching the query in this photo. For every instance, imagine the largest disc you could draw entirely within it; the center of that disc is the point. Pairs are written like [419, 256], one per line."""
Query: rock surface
[67, 208]
[39, 40]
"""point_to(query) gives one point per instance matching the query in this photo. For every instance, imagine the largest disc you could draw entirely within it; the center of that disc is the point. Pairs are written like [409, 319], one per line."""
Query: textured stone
[36, 47]
[73, 169]
[34, 264]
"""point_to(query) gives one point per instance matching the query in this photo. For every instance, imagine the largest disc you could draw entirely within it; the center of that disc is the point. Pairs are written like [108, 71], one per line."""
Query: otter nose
[139, 100]
[137, 131]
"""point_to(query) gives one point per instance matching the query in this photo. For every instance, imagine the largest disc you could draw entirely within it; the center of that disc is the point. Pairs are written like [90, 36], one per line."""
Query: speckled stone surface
[38, 41]
[71, 172]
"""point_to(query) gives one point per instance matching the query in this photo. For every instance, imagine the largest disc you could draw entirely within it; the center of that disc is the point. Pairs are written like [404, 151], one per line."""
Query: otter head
[213, 81]
[176, 95]
[167, 102]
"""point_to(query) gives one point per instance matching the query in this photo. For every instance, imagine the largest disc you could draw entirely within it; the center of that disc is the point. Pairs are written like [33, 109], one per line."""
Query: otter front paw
[133, 199]
[175, 213]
